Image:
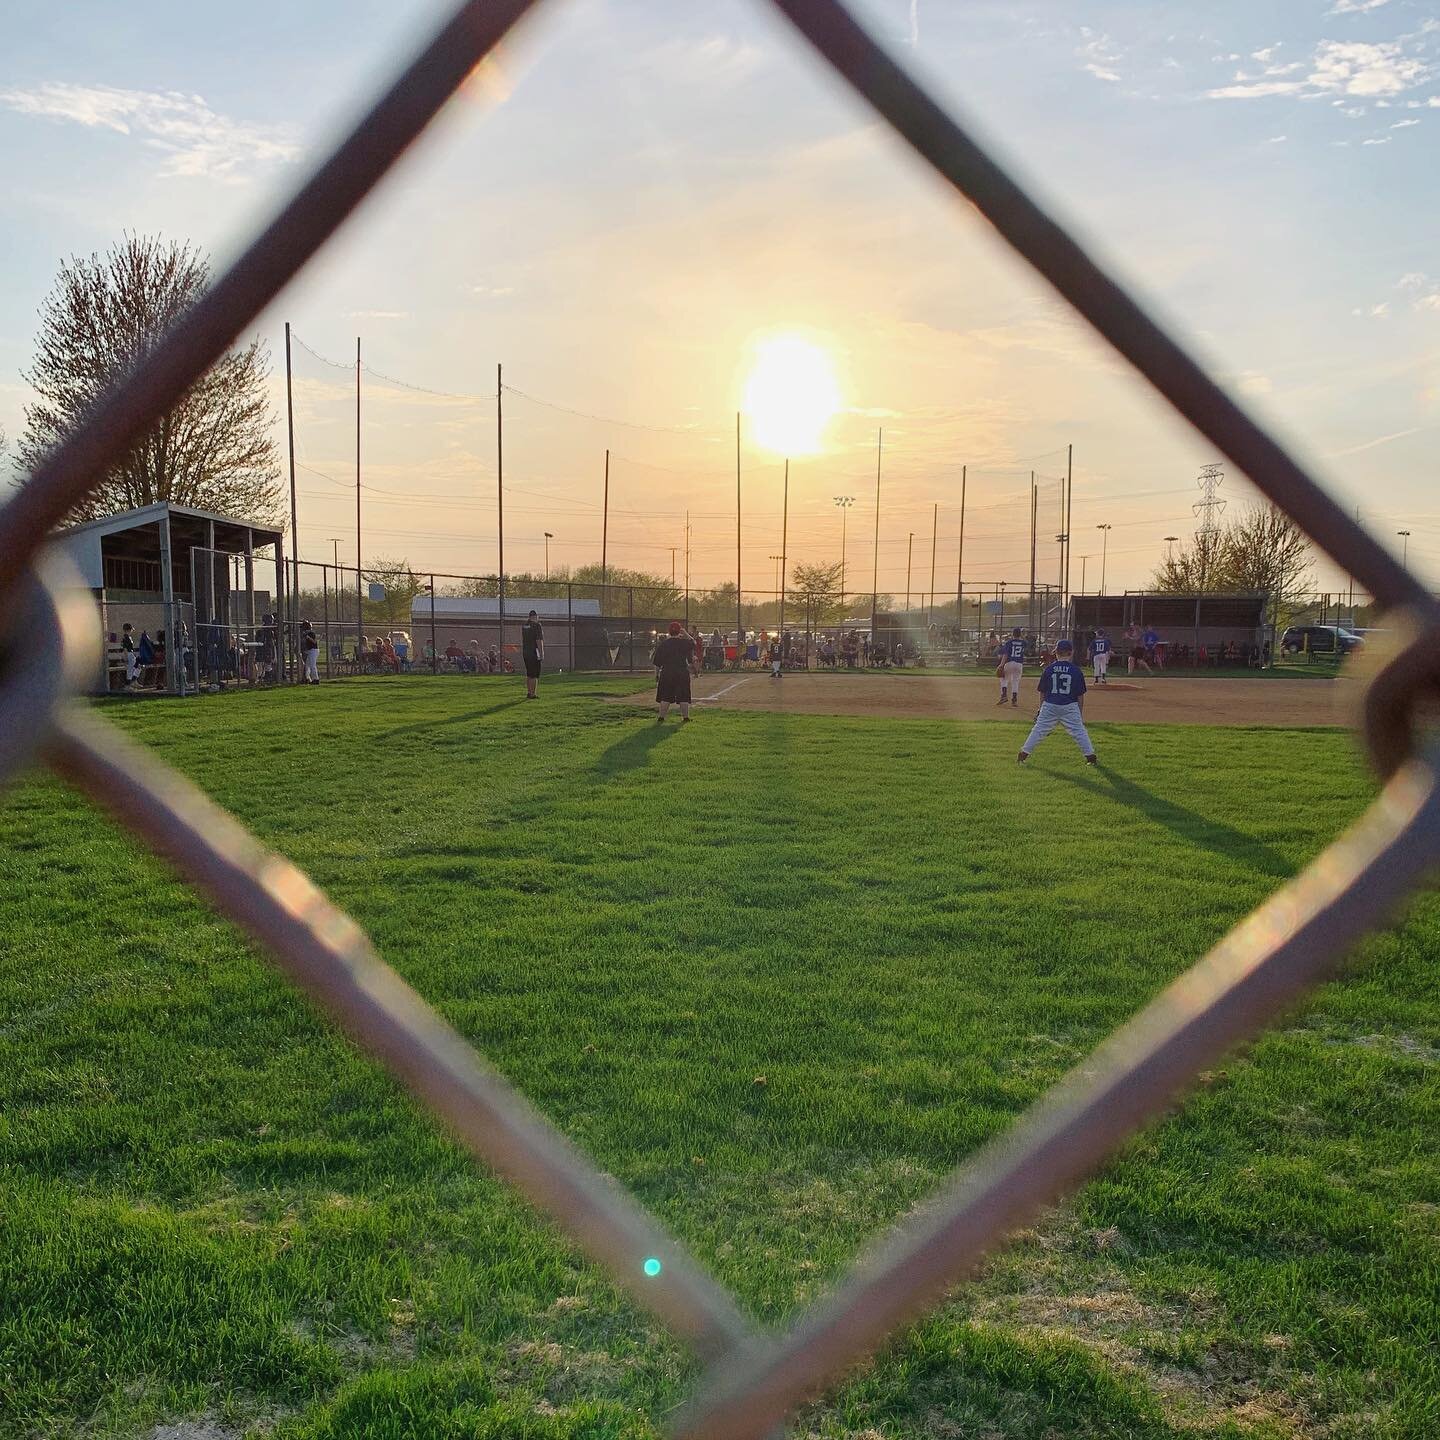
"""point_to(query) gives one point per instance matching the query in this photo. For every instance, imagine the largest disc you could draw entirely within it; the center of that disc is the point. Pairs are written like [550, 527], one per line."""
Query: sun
[791, 394]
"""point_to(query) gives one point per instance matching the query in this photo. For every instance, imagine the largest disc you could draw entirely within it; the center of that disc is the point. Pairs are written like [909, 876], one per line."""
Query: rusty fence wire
[754, 1380]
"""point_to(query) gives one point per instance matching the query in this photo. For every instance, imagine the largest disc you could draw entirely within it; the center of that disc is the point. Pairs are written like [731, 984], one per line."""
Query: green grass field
[213, 1211]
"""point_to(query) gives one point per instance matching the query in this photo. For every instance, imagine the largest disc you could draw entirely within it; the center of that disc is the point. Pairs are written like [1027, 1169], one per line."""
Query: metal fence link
[1288, 945]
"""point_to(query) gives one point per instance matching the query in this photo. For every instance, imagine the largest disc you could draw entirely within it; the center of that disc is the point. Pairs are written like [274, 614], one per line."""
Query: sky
[627, 202]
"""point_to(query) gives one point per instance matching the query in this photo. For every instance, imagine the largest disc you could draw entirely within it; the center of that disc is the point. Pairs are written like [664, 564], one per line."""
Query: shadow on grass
[1188, 824]
[632, 750]
[435, 724]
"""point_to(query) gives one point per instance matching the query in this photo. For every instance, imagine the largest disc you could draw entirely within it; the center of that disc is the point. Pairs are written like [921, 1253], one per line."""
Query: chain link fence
[754, 1380]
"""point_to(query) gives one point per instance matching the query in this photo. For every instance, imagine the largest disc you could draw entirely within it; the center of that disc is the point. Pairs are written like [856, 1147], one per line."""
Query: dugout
[1197, 629]
[574, 633]
[150, 566]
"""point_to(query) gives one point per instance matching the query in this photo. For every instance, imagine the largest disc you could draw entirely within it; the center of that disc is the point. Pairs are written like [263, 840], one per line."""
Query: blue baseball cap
[1063, 645]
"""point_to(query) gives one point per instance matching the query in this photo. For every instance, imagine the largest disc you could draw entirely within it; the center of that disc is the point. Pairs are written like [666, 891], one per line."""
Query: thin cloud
[1355, 7]
[195, 141]
[1337, 68]
[1404, 124]
[1375, 443]
[1099, 56]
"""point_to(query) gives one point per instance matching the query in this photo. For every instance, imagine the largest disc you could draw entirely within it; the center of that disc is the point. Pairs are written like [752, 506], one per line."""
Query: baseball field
[777, 970]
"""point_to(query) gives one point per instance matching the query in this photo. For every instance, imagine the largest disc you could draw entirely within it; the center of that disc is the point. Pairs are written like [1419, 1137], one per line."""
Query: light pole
[1083, 560]
[1405, 552]
[844, 502]
[336, 544]
[909, 550]
[548, 538]
[777, 559]
[1170, 553]
[1104, 551]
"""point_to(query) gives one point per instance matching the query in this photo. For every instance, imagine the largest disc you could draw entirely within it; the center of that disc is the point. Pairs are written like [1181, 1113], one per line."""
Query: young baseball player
[1100, 654]
[1012, 667]
[1062, 691]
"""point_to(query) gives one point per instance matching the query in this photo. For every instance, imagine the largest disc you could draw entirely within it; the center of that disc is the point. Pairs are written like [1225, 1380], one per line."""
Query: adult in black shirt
[532, 647]
[674, 659]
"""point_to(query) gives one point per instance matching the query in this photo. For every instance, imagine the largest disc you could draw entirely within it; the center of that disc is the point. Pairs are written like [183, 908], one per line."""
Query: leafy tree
[1264, 549]
[1196, 567]
[401, 584]
[214, 448]
[818, 586]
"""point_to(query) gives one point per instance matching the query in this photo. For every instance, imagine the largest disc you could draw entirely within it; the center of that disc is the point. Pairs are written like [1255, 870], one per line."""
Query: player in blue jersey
[1100, 654]
[1062, 691]
[1012, 667]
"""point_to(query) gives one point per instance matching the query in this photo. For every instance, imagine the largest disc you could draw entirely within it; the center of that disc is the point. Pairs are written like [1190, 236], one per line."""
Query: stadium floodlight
[1104, 551]
[844, 502]
[549, 536]
[1405, 550]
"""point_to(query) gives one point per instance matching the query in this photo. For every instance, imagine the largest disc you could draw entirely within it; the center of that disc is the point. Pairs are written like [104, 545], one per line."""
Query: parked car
[1319, 640]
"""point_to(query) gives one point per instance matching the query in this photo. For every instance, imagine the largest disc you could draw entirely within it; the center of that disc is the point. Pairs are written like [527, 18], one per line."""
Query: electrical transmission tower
[1209, 507]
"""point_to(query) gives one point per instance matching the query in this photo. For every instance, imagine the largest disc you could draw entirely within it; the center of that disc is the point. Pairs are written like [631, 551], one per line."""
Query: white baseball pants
[1102, 664]
[1014, 672]
[1067, 716]
[312, 665]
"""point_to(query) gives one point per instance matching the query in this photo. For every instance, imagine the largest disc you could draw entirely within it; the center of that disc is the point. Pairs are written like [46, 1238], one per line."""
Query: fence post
[631, 590]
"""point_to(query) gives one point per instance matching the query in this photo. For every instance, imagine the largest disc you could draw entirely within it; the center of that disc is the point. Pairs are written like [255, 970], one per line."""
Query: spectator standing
[310, 652]
[532, 648]
[127, 648]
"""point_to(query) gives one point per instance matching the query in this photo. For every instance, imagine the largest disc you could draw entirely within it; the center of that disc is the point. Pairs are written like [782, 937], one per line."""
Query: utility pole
[673, 548]
[875, 575]
[1104, 551]
[960, 559]
[336, 544]
[934, 536]
[1069, 496]
[500, 492]
[359, 583]
[548, 538]
[604, 533]
[294, 515]
[739, 593]
[784, 547]
[909, 550]
[1034, 516]
[844, 502]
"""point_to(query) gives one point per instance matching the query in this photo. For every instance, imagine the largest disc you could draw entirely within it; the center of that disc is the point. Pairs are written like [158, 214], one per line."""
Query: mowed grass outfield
[777, 974]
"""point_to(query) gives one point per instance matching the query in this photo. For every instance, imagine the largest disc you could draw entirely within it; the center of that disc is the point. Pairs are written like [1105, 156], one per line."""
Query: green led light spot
[652, 1267]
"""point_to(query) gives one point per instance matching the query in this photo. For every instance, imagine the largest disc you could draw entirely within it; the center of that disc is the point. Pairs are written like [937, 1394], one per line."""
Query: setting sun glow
[791, 394]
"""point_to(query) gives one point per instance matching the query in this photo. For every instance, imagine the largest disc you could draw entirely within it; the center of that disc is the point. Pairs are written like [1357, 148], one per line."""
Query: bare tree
[215, 448]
